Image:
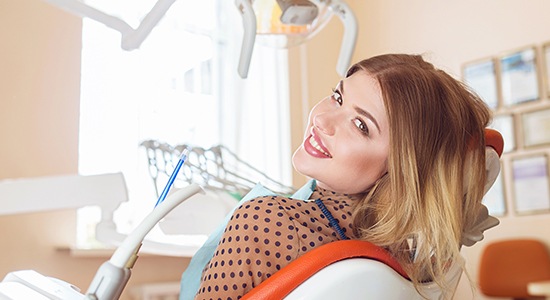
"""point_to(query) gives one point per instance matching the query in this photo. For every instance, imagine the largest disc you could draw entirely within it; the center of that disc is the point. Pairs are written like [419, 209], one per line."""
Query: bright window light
[180, 87]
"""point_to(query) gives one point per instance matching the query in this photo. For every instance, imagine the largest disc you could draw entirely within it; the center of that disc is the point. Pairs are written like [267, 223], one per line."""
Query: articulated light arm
[344, 12]
[131, 38]
[249, 35]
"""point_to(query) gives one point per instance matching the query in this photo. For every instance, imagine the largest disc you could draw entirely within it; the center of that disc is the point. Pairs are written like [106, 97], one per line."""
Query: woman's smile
[314, 146]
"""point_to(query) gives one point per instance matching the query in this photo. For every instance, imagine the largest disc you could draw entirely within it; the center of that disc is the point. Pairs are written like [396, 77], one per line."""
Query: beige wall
[39, 109]
[39, 92]
[450, 33]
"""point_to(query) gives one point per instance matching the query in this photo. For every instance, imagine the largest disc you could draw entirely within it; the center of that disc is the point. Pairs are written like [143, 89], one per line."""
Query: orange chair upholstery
[494, 140]
[507, 266]
[348, 269]
[285, 281]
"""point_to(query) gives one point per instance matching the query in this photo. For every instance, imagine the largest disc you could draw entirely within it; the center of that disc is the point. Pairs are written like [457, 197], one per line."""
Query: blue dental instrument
[181, 160]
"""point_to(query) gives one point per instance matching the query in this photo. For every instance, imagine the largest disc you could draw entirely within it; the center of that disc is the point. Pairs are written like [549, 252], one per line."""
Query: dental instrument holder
[111, 277]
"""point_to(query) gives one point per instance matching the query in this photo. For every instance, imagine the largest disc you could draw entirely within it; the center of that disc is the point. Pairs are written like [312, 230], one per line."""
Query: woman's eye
[361, 126]
[337, 97]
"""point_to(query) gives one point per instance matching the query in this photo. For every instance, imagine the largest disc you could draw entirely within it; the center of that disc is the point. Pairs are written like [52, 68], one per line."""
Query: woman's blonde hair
[419, 208]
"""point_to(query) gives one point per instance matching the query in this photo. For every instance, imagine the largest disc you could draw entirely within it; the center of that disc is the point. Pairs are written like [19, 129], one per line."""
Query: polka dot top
[265, 234]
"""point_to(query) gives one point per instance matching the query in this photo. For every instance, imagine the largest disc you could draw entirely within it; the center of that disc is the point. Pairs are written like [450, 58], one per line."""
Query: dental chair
[352, 269]
[347, 269]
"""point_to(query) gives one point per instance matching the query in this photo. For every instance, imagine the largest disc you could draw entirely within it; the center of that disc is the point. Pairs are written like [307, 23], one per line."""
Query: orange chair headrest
[494, 140]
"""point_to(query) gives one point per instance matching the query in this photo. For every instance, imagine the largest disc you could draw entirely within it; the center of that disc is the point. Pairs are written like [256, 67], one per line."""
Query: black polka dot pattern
[267, 233]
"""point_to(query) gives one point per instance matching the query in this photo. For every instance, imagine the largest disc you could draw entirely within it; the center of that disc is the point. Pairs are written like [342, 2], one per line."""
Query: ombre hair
[419, 208]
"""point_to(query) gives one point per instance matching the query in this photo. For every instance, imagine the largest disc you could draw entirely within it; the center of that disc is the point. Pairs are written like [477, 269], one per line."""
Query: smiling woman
[383, 151]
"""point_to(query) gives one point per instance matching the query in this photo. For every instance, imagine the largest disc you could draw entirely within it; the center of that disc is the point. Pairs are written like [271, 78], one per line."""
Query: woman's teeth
[315, 145]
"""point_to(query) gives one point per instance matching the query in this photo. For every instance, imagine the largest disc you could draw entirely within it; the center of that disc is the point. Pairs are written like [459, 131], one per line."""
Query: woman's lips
[315, 147]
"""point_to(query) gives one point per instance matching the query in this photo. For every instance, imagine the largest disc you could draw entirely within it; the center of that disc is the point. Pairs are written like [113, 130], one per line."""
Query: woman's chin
[300, 162]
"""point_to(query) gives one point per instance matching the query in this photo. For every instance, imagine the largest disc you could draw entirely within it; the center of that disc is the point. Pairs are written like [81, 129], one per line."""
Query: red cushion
[494, 140]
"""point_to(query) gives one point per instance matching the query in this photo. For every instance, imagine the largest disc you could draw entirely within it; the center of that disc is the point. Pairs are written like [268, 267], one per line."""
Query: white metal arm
[249, 35]
[344, 12]
[112, 276]
[131, 38]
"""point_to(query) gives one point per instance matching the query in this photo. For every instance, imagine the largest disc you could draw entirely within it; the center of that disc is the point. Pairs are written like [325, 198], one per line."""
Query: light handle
[346, 15]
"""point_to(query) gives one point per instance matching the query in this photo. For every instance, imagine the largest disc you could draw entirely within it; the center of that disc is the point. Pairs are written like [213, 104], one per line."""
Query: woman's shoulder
[274, 211]
[269, 204]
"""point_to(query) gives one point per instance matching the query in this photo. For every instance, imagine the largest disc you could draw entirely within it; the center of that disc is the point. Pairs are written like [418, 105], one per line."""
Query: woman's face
[346, 142]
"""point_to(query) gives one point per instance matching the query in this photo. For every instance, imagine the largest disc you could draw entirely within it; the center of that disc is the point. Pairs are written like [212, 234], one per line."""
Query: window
[181, 86]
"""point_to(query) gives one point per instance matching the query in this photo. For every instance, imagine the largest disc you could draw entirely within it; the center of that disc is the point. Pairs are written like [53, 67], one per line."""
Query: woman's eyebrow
[368, 116]
[359, 110]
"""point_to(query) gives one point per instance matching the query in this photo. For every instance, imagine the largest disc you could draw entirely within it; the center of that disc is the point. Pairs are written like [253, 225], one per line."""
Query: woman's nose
[324, 122]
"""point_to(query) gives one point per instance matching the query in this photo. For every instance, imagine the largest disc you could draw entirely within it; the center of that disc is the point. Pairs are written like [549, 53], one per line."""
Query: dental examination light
[274, 23]
[287, 23]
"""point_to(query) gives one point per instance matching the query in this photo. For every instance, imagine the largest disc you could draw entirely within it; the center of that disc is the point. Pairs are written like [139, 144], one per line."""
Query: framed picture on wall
[546, 60]
[505, 125]
[519, 77]
[494, 199]
[536, 127]
[531, 184]
[481, 76]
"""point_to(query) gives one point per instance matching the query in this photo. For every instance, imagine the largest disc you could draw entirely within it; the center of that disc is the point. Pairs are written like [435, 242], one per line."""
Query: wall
[39, 91]
[39, 110]
[449, 33]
